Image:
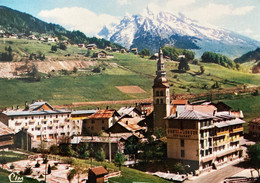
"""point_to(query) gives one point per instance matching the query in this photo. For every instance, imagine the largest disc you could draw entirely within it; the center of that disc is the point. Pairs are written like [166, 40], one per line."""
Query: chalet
[108, 48]
[103, 54]
[91, 46]
[123, 51]
[129, 111]
[32, 37]
[6, 136]
[97, 175]
[81, 45]
[13, 36]
[254, 128]
[134, 50]
[50, 40]
[127, 125]
[101, 120]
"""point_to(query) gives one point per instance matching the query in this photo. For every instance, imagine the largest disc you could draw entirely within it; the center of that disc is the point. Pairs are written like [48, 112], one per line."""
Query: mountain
[249, 56]
[13, 21]
[154, 29]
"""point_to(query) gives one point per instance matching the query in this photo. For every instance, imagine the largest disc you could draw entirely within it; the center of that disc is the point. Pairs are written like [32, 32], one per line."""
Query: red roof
[102, 114]
[208, 109]
[99, 170]
[180, 102]
[5, 130]
[256, 120]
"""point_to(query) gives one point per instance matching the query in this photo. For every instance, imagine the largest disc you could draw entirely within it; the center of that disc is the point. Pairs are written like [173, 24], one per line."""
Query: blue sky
[89, 16]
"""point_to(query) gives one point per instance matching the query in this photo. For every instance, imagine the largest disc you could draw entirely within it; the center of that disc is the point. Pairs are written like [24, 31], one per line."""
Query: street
[216, 176]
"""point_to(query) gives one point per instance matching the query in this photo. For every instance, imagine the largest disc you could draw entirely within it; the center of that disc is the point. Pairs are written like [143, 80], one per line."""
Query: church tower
[161, 95]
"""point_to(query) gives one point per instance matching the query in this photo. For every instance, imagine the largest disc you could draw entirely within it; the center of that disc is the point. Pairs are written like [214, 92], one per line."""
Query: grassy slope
[93, 87]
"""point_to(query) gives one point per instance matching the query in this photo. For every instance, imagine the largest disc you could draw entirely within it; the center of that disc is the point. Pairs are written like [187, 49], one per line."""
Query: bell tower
[161, 95]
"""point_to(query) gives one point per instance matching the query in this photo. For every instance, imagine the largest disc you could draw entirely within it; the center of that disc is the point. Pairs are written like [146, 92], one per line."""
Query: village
[200, 137]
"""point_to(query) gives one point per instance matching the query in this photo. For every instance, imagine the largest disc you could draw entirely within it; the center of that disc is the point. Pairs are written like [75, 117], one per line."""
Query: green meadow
[125, 69]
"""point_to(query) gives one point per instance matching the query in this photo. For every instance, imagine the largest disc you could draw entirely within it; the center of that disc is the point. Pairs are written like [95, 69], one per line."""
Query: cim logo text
[15, 178]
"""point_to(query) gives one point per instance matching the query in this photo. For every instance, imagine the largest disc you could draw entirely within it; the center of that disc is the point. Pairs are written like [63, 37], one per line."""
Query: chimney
[17, 107]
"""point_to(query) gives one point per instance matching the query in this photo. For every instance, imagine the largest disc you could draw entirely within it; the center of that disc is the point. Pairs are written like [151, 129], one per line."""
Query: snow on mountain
[154, 29]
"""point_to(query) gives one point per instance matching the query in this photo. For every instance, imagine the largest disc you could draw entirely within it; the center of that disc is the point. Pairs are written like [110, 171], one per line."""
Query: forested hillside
[15, 22]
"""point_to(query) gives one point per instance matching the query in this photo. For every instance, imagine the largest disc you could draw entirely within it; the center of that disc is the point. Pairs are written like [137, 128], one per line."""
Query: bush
[54, 167]
[41, 176]
[37, 165]
[45, 160]
[28, 170]
[12, 166]
[54, 149]
[96, 70]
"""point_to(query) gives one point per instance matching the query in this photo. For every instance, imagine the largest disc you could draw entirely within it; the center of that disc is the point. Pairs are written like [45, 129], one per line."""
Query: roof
[129, 126]
[256, 120]
[235, 121]
[180, 102]
[99, 170]
[100, 139]
[5, 130]
[83, 112]
[103, 114]
[190, 114]
[208, 109]
[31, 113]
[125, 110]
[38, 105]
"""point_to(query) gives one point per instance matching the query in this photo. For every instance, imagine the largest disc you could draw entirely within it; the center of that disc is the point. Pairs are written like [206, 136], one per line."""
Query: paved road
[217, 176]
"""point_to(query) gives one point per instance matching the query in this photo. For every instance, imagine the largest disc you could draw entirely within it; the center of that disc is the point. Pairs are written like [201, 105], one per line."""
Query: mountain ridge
[155, 29]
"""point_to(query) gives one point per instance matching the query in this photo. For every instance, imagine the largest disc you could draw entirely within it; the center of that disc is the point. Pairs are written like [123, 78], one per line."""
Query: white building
[43, 122]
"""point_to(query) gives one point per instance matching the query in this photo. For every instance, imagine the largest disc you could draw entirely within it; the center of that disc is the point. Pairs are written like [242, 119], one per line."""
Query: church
[200, 136]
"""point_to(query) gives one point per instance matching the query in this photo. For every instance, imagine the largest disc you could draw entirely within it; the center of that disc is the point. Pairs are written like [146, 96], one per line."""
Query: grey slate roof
[83, 112]
[31, 113]
[190, 114]
[235, 121]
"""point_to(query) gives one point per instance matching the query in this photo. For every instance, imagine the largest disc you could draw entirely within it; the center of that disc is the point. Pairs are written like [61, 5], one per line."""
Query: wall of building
[190, 149]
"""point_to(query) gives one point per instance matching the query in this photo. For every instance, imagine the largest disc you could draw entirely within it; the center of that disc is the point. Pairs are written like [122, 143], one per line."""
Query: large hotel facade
[198, 135]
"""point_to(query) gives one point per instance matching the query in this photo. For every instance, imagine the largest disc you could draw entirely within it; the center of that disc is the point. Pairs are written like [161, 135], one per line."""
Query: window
[68, 115]
[157, 93]
[12, 118]
[25, 117]
[57, 116]
[103, 128]
[161, 101]
[182, 153]
[182, 143]
[32, 117]
[103, 121]
[44, 117]
[92, 121]
[157, 101]
[161, 93]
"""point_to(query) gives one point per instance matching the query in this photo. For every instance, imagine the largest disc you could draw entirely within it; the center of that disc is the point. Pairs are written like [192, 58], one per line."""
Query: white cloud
[122, 2]
[77, 18]
[170, 5]
[212, 12]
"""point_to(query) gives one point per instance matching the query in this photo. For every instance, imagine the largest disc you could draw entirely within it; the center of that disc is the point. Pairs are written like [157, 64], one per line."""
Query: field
[124, 70]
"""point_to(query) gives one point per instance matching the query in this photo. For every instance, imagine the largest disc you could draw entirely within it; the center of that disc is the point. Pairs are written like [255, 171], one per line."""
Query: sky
[89, 16]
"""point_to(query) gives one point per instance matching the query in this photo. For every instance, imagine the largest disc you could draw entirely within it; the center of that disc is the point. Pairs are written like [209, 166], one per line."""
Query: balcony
[237, 130]
[222, 133]
[216, 144]
[234, 139]
[178, 133]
